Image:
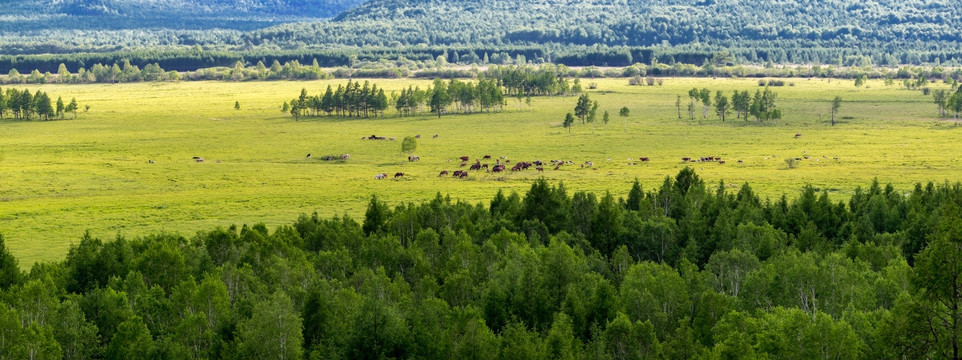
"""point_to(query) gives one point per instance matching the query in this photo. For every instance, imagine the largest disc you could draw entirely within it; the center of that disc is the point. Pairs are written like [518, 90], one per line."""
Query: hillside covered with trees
[683, 270]
[798, 31]
[593, 32]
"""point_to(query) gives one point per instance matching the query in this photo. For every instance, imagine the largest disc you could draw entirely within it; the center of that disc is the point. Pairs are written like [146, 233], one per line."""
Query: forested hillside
[684, 270]
[883, 32]
[147, 9]
[769, 30]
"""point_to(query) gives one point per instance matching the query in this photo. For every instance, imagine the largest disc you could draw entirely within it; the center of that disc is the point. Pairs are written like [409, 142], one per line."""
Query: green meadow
[61, 178]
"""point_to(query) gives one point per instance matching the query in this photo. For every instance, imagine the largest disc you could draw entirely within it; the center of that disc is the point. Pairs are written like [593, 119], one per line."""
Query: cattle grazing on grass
[644, 159]
[414, 158]
[798, 135]
[464, 158]
[397, 175]
[498, 168]
[475, 166]
[443, 173]
[380, 176]
[435, 136]
[308, 155]
[150, 161]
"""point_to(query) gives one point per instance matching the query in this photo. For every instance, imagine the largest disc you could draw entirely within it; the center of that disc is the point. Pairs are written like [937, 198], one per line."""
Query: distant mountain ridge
[152, 9]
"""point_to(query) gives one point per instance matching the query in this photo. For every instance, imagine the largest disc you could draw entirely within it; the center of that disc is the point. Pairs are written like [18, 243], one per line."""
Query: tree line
[762, 106]
[521, 74]
[356, 100]
[949, 101]
[682, 270]
[350, 100]
[21, 104]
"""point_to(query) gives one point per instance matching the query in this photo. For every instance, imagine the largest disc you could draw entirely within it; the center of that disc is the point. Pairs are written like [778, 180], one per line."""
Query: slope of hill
[172, 14]
[783, 30]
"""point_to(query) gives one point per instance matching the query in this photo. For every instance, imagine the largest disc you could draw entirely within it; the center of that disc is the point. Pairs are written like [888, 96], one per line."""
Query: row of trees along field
[351, 100]
[683, 270]
[762, 106]
[948, 100]
[21, 104]
[291, 68]
[356, 100]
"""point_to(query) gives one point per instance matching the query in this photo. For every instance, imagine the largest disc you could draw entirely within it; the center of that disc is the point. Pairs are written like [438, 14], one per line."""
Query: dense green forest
[595, 32]
[683, 270]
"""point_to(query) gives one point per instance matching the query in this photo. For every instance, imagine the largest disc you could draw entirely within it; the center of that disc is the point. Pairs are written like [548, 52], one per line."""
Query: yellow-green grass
[60, 178]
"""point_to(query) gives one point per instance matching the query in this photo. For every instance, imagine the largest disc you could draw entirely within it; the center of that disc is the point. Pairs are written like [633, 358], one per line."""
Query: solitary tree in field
[721, 105]
[593, 112]
[569, 120]
[836, 104]
[285, 108]
[678, 106]
[409, 144]
[955, 103]
[940, 98]
[705, 97]
[860, 80]
[583, 107]
[237, 105]
[605, 118]
[60, 107]
[72, 107]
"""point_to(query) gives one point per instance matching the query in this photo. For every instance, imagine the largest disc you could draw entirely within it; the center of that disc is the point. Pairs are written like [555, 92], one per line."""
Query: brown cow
[464, 158]
[486, 157]
[686, 159]
[798, 135]
[397, 175]
[443, 173]
[644, 159]
[498, 168]
[476, 166]
[463, 175]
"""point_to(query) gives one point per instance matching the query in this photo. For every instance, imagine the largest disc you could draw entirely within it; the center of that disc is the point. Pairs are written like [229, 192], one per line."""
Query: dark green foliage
[684, 270]
[9, 270]
[22, 105]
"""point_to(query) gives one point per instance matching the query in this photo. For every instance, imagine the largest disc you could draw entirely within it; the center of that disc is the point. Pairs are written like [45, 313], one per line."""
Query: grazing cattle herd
[501, 164]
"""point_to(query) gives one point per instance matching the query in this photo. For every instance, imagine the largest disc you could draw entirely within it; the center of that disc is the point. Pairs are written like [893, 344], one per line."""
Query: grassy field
[60, 178]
